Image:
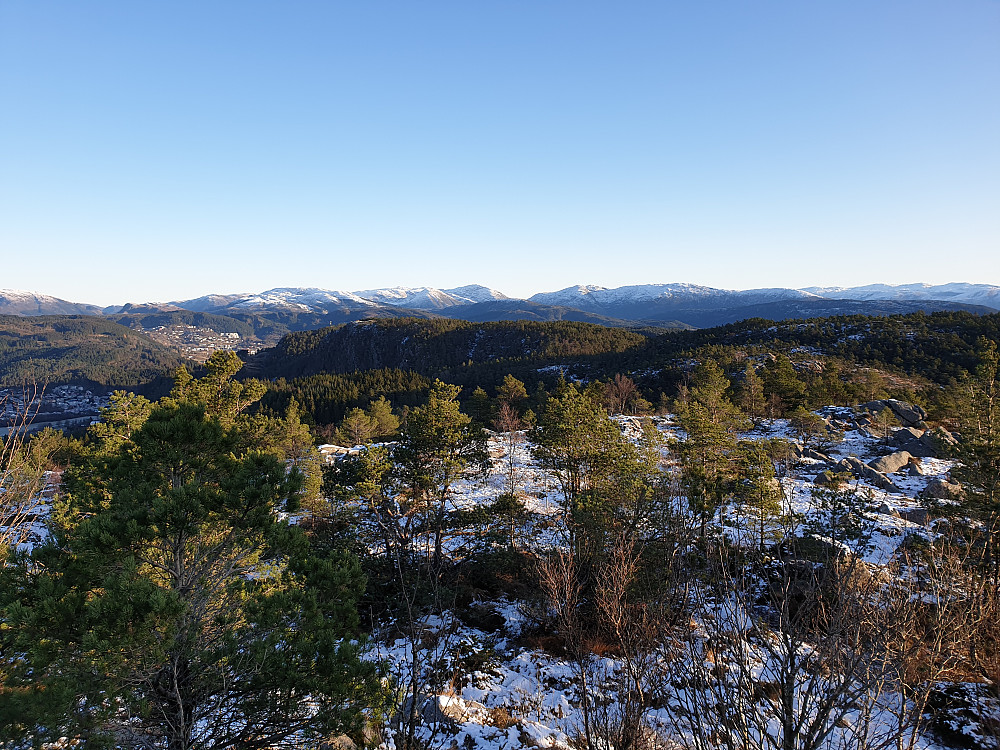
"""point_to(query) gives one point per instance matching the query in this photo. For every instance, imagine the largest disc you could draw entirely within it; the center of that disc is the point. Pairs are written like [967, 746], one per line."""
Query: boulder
[873, 406]
[919, 516]
[428, 708]
[938, 442]
[915, 442]
[891, 463]
[815, 455]
[910, 415]
[905, 435]
[914, 470]
[886, 510]
[942, 489]
[874, 477]
[828, 479]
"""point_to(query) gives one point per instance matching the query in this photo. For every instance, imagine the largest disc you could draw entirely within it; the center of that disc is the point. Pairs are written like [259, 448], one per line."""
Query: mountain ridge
[665, 305]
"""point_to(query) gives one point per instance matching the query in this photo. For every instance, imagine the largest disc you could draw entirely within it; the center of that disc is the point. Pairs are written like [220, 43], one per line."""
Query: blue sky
[154, 151]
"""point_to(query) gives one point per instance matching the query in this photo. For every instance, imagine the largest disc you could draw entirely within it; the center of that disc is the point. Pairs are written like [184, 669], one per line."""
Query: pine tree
[978, 452]
[584, 451]
[782, 384]
[709, 454]
[222, 397]
[512, 391]
[436, 447]
[386, 423]
[357, 427]
[760, 492]
[172, 609]
[752, 392]
[479, 407]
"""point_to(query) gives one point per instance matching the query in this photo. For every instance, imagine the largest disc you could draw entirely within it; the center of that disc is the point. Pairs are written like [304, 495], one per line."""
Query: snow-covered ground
[523, 696]
[501, 690]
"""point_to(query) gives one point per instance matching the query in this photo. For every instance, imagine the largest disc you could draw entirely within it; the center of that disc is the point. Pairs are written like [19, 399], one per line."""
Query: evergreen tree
[171, 609]
[289, 440]
[222, 397]
[357, 427]
[479, 407]
[124, 415]
[386, 423]
[782, 384]
[709, 454]
[512, 392]
[437, 445]
[760, 492]
[752, 392]
[584, 451]
[810, 428]
[978, 451]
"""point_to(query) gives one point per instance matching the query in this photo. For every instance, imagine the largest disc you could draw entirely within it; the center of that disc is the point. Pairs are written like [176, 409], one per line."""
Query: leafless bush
[791, 655]
[22, 474]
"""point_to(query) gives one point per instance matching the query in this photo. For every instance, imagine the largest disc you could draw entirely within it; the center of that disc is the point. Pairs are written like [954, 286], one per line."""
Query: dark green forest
[83, 350]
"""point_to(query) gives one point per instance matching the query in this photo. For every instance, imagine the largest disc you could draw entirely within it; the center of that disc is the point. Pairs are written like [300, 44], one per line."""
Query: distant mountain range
[660, 305]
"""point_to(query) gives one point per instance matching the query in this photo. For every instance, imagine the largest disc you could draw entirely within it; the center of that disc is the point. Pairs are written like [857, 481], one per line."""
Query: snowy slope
[289, 298]
[430, 298]
[681, 294]
[19, 302]
[973, 294]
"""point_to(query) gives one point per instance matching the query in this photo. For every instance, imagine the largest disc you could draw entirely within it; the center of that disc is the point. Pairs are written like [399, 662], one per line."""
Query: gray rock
[915, 442]
[891, 463]
[815, 455]
[873, 406]
[910, 415]
[949, 438]
[942, 489]
[906, 435]
[828, 479]
[886, 510]
[428, 707]
[874, 477]
[914, 470]
[938, 441]
[919, 516]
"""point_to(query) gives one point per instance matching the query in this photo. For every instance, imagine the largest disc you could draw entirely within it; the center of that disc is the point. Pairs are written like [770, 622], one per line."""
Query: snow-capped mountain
[288, 298]
[429, 298]
[19, 302]
[971, 294]
[631, 301]
[646, 304]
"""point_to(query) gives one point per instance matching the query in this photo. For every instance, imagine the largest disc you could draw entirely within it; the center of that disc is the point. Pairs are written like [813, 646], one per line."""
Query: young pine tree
[172, 609]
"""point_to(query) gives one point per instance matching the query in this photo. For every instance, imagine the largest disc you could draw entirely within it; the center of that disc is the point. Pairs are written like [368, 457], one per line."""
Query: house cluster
[60, 407]
[196, 342]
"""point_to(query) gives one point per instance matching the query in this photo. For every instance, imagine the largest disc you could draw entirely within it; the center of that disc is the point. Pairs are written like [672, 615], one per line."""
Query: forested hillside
[938, 346]
[438, 346]
[81, 350]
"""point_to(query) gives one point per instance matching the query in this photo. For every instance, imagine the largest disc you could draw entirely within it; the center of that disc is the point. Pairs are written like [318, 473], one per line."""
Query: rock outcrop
[861, 470]
[943, 489]
[909, 415]
[891, 463]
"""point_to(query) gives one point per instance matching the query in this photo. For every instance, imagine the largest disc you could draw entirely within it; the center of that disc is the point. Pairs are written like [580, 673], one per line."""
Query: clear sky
[164, 150]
